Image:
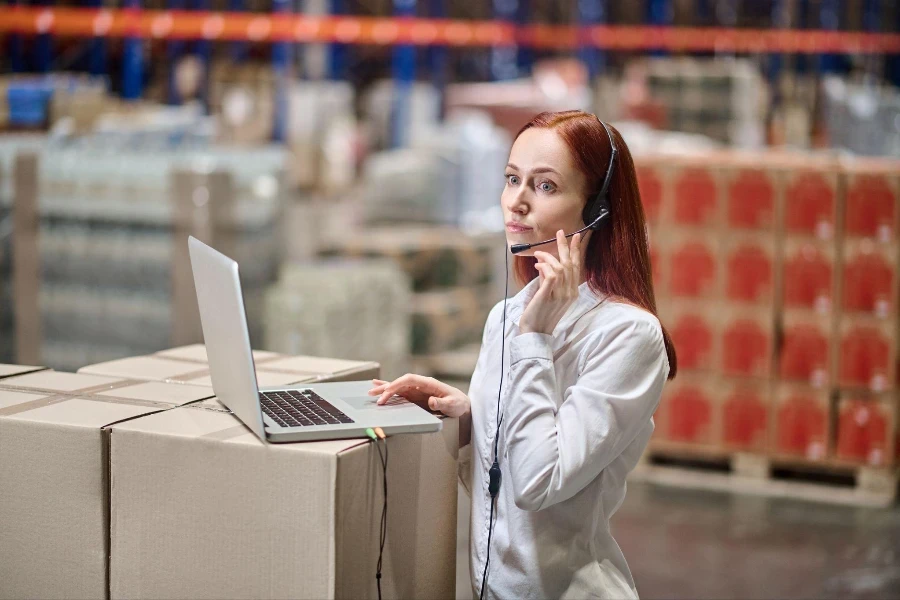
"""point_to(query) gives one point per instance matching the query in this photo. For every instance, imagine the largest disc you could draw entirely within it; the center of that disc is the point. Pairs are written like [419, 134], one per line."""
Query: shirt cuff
[530, 345]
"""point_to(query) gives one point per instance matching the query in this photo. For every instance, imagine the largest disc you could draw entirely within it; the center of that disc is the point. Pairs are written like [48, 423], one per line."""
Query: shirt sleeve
[553, 453]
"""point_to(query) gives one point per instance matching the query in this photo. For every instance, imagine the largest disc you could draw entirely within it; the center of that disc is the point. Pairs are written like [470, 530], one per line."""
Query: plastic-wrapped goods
[432, 256]
[411, 185]
[107, 233]
[862, 118]
[454, 176]
[342, 308]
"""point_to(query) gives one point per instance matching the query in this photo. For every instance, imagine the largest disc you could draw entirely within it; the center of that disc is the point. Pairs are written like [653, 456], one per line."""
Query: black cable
[494, 473]
[384, 459]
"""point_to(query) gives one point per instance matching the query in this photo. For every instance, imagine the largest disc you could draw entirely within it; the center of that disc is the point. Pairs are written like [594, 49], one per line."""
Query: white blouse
[577, 408]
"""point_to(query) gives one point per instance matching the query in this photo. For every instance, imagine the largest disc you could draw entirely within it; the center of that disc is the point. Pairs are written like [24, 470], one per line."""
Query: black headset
[593, 214]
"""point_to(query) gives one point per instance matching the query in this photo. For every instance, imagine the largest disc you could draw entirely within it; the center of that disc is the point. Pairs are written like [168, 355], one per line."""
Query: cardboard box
[696, 198]
[866, 428]
[54, 483]
[753, 198]
[187, 365]
[869, 276]
[745, 414]
[233, 517]
[432, 256]
[872, 208]
[805, 351]
[689, 410]
[811, 192]
[695, 332]
[800, 426]
[750, 268]
[747, 347]
[867, 352]
[446, 319]
[13, 370]
[693, 265]
[651, 179]
[808, 274]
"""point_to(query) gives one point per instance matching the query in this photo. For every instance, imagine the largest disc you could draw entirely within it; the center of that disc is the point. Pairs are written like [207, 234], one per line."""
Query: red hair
[617, 258]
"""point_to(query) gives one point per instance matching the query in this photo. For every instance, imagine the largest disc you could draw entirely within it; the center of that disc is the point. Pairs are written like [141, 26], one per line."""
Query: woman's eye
[546, 186]
[512, 179]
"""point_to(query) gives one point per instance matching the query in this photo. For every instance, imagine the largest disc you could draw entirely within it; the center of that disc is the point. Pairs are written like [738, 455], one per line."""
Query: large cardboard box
[188, 364]
[745, 414]
[201, 508]
[689, 410]
[866, 427]
[801, 422]
[54, 484]
[13, 370]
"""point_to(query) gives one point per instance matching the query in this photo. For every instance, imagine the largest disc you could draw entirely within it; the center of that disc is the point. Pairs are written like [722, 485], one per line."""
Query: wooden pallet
[832, 482]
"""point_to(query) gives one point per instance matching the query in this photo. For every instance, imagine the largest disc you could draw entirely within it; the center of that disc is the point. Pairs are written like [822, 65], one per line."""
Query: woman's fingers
[415, 386]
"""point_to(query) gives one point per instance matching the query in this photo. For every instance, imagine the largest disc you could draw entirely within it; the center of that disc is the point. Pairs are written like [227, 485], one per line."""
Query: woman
[585, 366]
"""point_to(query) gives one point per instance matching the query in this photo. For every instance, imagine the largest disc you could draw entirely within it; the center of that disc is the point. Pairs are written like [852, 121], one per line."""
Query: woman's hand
[423, 391]
[558, 287]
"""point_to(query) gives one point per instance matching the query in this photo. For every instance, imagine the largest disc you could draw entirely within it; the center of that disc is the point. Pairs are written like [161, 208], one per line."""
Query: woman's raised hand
[426, 391]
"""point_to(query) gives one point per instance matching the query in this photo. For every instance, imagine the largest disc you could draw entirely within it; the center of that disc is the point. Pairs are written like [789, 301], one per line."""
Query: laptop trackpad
[369, 402]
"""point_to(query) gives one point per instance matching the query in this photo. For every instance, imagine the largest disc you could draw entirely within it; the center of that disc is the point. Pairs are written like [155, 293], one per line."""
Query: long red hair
[617, 258]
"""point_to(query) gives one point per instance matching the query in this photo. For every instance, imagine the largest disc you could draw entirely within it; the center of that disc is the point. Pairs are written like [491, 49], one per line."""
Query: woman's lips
[513, 229]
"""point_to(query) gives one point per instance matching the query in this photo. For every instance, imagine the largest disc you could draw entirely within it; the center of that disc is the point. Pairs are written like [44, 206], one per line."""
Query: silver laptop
[300, 412]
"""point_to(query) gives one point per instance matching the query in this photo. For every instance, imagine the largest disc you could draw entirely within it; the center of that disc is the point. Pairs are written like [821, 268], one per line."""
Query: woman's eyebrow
[537, 170]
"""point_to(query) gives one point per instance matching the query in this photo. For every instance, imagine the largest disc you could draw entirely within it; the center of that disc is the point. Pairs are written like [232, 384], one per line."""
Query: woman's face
[544, 191]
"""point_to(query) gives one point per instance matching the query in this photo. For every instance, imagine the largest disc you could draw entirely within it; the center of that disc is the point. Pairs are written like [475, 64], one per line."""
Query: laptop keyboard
[300, 408]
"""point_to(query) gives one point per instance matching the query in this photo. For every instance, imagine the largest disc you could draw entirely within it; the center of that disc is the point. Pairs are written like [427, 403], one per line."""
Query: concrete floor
[691, 544]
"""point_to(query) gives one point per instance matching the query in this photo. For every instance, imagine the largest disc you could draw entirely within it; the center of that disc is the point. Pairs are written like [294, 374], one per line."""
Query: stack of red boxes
[809, 262]
[749, 250]
[778, 279]
[866, 341]
[684, 203]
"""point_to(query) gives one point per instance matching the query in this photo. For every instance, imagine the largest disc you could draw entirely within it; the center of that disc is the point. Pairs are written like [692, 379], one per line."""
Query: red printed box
[867, 353]
[651, 181]
[657, 260]
[745, 414]
[866, 428]
[805, 352]
[692, 265]
[748, 342]
[869, 278]
[752, 198]
[800, 421]
[695, 198]
[872, 198]
[750, 267]
[808, 274]
[688, 411]
[695, 334]
[811, 198]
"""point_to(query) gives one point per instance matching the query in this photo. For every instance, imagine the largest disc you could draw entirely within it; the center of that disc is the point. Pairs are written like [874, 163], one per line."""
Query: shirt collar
[587, 299]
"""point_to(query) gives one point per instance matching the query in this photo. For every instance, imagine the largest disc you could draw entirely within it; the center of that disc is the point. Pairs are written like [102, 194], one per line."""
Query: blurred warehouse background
[350, 153]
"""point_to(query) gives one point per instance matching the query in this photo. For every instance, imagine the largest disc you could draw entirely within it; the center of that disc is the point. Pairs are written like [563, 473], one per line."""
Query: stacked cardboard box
[685, 210]
[810, 227]
[230, 515]
[54, 499]
[777, 278]
[866, 340]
